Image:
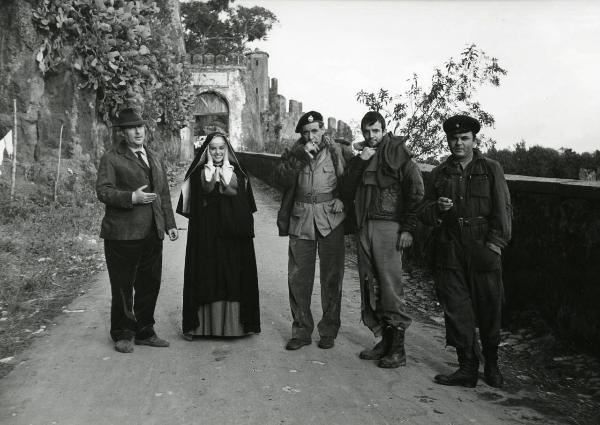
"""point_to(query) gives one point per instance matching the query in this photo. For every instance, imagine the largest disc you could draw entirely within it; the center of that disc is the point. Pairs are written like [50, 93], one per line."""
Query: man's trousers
[134, 269]
[470, 290]
[380, 270]
[301, 278]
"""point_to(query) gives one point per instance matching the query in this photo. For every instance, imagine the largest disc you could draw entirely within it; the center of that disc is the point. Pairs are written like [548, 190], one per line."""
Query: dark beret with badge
[461, 124]
[309, 117]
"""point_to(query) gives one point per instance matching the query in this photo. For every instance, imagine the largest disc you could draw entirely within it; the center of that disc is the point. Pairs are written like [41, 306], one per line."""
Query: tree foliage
[217, 27]
[122, 51]
[540, 161]
[420, 112]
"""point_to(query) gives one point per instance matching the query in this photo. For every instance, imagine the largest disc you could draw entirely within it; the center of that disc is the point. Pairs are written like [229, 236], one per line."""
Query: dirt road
[74, 376]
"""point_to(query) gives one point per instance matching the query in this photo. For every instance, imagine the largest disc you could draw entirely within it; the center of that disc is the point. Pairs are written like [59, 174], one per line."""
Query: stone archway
[211, 113]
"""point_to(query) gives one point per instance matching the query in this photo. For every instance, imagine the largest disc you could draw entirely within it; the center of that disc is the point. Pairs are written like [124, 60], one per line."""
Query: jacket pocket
[484, 259]
[479, 186]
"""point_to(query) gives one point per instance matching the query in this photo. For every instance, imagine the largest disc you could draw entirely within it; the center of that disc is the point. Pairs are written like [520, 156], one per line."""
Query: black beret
[310, 116]
[461, 124]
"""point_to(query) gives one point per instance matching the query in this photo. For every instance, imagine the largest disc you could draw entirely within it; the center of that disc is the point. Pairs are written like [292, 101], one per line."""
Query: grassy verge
[48, 252]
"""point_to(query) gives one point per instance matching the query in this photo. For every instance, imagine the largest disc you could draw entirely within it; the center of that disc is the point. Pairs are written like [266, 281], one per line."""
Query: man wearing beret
[134, 188]
[468, 204]
[312, 214]
[387, 188]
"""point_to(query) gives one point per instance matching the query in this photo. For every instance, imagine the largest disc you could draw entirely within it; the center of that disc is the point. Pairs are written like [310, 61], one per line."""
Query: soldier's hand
[405, 240]
[337, 206]
[173, 234]
[310, 148]
[141, 197]
[444, 204]
[367, 153]
[494, 247]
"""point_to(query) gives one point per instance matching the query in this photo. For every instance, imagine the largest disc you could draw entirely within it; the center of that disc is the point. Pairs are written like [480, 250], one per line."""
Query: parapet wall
[553, 262]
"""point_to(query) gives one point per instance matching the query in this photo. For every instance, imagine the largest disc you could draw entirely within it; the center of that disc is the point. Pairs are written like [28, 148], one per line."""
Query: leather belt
[471, 221]
[316, 198]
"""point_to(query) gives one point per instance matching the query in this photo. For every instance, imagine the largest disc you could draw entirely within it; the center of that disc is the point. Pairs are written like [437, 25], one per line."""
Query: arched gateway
[211, 113]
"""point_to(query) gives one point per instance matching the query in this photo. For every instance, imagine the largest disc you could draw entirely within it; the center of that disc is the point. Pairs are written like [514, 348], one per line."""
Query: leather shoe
[296, 343]
[124, 346]
[153, 341]
[188, 336]
[326, 342]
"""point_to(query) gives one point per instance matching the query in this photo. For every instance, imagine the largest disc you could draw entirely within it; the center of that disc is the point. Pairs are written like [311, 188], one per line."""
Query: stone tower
[258, 65]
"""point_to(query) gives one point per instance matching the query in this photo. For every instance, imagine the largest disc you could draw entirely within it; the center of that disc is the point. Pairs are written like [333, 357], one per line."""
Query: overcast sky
[324, 52]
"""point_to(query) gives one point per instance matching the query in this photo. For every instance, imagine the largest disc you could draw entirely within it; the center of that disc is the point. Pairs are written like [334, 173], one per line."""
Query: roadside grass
[47, 252]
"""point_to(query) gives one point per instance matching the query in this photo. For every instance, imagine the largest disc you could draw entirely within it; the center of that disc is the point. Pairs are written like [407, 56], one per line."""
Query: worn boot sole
[370, 355]
[496, 382]
[446, 380]
[387, 364]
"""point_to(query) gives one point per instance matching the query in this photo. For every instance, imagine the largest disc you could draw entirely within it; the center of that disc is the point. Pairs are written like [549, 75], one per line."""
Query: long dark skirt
[220, 290]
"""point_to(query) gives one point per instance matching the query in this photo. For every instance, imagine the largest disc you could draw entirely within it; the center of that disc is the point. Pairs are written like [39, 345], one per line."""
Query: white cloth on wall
[6, 145]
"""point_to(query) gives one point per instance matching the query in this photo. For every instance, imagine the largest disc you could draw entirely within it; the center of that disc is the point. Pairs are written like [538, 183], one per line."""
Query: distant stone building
[233, 94]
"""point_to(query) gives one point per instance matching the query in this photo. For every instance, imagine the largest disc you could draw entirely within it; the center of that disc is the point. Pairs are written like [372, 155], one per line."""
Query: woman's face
[216, 148]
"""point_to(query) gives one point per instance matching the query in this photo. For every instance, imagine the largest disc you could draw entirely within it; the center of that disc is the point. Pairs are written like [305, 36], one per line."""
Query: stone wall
[553, 262]
[46, 103]
[235, 79]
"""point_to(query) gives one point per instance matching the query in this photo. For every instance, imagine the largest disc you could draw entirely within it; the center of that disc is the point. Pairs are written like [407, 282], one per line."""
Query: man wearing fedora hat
[468, 204]
[133, 186]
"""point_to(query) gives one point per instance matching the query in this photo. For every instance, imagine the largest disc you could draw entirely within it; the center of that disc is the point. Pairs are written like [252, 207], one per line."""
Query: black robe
[220, 263]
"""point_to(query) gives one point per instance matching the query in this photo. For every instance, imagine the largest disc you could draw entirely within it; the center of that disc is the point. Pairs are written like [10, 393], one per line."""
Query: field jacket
[388, 186]
[310, 190]
[481, 213]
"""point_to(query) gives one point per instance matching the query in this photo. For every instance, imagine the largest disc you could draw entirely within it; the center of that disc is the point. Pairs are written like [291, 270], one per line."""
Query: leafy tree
[419, 112]
[217, 27]
[545, 162]
[123, 52]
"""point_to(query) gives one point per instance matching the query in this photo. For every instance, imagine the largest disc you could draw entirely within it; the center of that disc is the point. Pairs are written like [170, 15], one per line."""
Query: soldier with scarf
[312, 214]
[386, 186]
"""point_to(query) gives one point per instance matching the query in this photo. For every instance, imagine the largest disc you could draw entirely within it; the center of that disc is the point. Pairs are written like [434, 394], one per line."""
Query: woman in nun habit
[220, 288]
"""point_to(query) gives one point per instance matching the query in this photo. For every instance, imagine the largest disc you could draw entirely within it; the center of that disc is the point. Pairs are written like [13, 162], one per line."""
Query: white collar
[140, 149]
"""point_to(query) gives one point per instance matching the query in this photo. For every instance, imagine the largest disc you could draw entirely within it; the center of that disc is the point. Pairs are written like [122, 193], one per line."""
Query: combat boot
[491, 371]
[467, 373]
[396, 356]
[380, 349]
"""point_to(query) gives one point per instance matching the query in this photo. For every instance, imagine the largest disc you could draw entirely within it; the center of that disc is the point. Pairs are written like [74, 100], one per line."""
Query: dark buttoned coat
[119, 174]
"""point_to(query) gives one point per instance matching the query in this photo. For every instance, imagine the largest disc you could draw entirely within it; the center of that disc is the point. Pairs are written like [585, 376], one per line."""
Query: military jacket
[385, 187]
[311, 188]
[480, 196]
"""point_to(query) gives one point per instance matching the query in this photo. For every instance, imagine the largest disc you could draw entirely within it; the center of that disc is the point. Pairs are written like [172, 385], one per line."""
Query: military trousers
[471, 293]
[301, 277]
[134, 269]
[380, 273]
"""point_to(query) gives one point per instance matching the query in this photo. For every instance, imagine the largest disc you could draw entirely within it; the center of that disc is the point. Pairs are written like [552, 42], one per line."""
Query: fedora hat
[128, 118]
